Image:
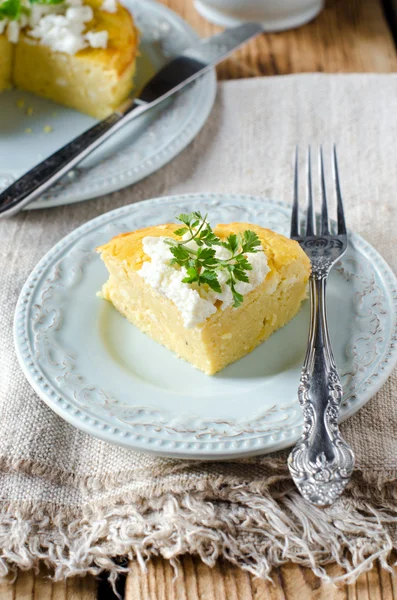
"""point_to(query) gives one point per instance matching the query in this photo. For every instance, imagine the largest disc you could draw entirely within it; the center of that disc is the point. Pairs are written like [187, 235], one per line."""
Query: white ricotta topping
[109, 6]
[61, 27]
[38, 11]
[97, 39]
[195, 303]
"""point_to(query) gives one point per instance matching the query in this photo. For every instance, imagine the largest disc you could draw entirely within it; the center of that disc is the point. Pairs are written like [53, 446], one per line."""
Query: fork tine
[295, 206]
[310, 217]
[341, 215]
[324, 207]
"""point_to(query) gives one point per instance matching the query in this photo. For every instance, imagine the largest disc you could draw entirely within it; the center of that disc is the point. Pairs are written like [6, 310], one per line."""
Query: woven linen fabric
[76, 502]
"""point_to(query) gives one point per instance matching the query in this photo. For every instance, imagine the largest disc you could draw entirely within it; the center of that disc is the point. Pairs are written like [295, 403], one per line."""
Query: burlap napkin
[75, 502]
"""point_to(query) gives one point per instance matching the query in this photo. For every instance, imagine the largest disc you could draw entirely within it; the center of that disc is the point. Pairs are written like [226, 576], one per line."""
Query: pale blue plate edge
[36, 380]
[149, 166]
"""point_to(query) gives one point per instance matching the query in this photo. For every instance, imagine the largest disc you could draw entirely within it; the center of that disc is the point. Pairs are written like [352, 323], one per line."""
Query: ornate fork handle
[321, 463]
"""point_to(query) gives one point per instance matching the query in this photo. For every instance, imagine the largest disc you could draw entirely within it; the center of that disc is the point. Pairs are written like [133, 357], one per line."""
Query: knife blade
[173, 77]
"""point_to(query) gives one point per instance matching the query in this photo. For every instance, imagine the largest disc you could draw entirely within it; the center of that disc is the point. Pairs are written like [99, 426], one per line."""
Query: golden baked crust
[122, 47]
[228, 334]
[279, 250]
[128, 246]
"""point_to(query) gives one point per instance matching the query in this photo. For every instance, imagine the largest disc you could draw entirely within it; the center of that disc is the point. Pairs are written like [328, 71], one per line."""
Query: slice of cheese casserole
[199, 325]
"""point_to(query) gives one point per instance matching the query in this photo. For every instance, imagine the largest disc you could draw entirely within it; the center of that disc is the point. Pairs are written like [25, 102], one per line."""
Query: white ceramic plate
[138, 150]
[101, 374]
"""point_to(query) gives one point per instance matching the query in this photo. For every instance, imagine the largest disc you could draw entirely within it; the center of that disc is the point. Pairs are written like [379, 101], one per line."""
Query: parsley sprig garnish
[13, 9]
[202, 265]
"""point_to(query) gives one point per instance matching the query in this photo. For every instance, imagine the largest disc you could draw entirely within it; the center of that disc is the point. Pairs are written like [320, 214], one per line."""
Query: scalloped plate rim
[90, 226]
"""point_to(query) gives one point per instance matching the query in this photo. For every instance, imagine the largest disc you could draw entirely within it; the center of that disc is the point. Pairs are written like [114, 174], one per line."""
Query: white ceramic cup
[275, 15]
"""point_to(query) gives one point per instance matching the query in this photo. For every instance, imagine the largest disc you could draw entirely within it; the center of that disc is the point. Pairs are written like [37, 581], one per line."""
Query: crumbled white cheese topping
[38, 11]
[61, 27]
[109, 6]
[195, 303]
[97, 39]
[64, 33]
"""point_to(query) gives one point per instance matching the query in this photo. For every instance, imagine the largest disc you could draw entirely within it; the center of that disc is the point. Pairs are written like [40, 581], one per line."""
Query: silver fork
[322, 462]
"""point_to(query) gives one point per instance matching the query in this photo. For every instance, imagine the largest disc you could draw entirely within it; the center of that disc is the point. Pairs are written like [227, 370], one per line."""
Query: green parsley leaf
[200, 261]
[241, 275]
[211, 279]
[186, 218]
[192, 275]
[231, 243]
[208, 237]
[181, 255]
[237, 297]
[250, 242]
[46, 2]
[206, 256]
[10, 9]
[13, 9]
[180, 232]
[243, 262]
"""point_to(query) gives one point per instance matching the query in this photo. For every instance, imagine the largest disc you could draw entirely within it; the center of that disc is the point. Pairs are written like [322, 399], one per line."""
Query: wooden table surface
[349, 36]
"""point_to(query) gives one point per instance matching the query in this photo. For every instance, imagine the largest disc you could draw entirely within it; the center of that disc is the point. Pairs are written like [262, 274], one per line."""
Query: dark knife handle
[38, 180]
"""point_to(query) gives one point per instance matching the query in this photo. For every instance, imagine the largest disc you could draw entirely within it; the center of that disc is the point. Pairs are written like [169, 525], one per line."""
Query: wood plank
[196, 581]
[7, 589]
[348, 36]
[29, 586]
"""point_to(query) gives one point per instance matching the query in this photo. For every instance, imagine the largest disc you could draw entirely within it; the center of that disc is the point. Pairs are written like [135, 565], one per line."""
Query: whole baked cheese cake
[79, 53]
[210, 303]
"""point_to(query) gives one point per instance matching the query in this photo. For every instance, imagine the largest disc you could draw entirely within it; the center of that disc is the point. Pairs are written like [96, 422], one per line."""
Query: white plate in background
[135, 152]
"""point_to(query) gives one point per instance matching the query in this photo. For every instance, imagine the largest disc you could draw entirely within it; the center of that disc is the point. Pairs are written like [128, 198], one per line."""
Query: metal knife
[173, 77]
